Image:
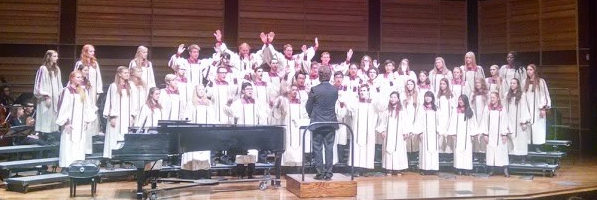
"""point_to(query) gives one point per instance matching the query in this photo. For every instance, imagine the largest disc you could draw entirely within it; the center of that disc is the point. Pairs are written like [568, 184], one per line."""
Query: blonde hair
[169, 77]
[197, 99]
[119, 81]
[472, 55]
[78, 88]
[445, 70]
[139, 60]
[138, 81]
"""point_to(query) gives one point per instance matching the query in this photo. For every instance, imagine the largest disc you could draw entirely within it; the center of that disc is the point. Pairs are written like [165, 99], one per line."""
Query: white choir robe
[421, 90]
[147, 74]
[172, 104]
[264, 92]
[469, 76]
[186, 91]
[49, 84]
[147, 117]
[508, 73]
[294, 115]
[243, 65]
[352, 85]
[479, 108]
[248, 113]
[198, 114]
[436, 78]
[405, 76]
[364, 117]
[493, 86]
[463, 130]
[445, 111]
[97, 87]
[78, 113]
[290, 62]
[122, 107]
[410, 110]
[426, 126]
[194, 70]
[311, 81]
[459, 88]
[518, 114]
[397, 128]
[495, 123]
[303, 94]
[140, 97]
[537, 100]
[221, 93]
[390, 83]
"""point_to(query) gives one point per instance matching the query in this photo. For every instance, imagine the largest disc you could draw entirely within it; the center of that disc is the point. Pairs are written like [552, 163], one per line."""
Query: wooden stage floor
[575, 176]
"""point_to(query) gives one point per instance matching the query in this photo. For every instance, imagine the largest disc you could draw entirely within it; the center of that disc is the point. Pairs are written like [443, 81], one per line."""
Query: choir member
[343, 67]
[170, 99]
[95, 76]
[313, 78]
[221, 91]
[513, 69]
[404, 71]
[119, 109]
[151, 110]
[495, 83]
[471, 70]
[140, 85]
[142, 62]
[479, 99]
[364, 115]
[341, 133]
[244, 61]
[496, 134]
[195, 165]
[462, 128]
[289, 109]
[539, 102]
[92, 128]
[373, 81]
[185, 88]
[352, 80]
[458, 84]
[439, 72]
[423, 84]
[47, 87]
[300, 82]
[275, 76]
[390, 81]
[363, 67]
[286, 60]
[426, 127]
[411, 102]
[74, 113]
[247, 111]
[518, 119]
[446, 103]
[195, 65]
[264, 92]
[394, 128]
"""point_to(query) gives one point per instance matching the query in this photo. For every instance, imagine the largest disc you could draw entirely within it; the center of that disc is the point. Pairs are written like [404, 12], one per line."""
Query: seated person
[23, 116]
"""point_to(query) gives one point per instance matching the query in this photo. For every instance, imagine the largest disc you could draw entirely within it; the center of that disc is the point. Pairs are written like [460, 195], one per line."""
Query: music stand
[20, 131]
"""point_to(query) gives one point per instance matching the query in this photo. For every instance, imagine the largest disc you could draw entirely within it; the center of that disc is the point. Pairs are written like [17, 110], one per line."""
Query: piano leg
[140, 180]
[278, 166]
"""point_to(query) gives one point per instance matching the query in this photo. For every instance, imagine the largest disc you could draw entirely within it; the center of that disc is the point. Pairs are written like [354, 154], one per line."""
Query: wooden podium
[339, 186]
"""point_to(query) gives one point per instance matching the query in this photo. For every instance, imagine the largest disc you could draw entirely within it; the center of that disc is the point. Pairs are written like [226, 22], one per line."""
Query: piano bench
[74, 181]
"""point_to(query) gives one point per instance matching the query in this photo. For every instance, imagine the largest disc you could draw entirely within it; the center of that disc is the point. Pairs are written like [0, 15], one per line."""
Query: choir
[441, 111]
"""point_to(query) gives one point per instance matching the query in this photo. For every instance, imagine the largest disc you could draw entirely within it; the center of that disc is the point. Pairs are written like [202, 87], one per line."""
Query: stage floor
[575, 175]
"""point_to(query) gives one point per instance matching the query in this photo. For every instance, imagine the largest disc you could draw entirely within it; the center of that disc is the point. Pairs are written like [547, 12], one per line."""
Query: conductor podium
[306, 186]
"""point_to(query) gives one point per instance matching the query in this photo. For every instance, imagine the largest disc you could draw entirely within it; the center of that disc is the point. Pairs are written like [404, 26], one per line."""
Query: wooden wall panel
[560, 79]
[29, 21]
[339, 24]
[20, 80]
[558, 25]
[493, 26]
[186, 21]
[114, 22]
[423, 26]
[523, 25]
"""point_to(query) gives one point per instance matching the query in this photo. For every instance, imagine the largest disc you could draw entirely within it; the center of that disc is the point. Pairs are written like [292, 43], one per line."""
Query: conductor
[321, 108]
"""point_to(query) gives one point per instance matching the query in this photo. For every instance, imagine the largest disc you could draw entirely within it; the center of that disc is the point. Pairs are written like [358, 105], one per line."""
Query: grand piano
[177, 137]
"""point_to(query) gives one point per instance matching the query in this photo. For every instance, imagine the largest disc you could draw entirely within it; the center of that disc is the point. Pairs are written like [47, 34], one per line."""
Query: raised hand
[180, 49]
[375, 63]
[218, 35]
[349, 54]
[270, 37]
[316, 42]
[263, 37]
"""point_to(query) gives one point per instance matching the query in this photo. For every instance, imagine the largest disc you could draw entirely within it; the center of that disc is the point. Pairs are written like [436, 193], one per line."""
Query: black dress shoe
[328, 177]
[319, 177]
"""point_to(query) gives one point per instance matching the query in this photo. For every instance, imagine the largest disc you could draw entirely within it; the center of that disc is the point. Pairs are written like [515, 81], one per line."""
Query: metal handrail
[351, 146]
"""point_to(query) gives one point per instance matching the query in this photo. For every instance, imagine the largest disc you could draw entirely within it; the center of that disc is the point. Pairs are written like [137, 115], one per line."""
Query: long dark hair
[468, 111]
[430, 94]
[398, 104]
[517, 95]
[517, 66]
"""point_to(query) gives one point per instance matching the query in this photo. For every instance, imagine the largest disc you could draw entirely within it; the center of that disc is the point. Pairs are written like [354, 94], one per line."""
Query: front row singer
[321, 108]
